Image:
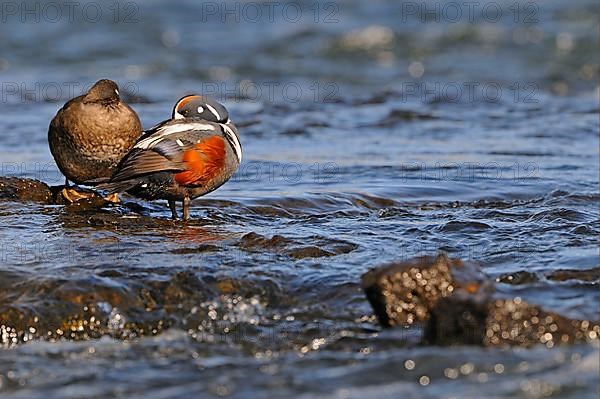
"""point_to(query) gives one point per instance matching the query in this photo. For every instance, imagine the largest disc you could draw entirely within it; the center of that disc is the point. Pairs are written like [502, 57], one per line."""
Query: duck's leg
[186, 208]
[66, 182]
[173, 207]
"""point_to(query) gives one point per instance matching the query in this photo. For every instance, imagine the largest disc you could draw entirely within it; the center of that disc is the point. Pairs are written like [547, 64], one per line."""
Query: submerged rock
[404, 293]
[82, 309]
[518, 278]
[587, 275]
[321, 246]
[525, 277]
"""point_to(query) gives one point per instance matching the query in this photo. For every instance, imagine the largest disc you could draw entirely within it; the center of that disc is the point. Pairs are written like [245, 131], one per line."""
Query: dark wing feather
[164, 156]
[135, 165]
[170, 149]
[143, 162]
[118, 187]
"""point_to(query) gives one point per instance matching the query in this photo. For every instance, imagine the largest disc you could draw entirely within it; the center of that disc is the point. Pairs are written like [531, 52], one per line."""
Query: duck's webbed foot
[72, 195]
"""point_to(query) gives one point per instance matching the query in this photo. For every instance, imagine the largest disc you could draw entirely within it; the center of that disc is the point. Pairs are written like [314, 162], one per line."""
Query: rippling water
[363, 152]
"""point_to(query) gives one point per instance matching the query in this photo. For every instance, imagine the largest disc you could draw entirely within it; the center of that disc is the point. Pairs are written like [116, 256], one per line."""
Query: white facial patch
[237, 146]
[200, 110]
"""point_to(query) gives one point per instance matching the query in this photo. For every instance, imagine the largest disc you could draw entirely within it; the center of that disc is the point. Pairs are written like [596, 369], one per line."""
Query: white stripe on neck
[237, 146]
[213, 111]
[163, 132]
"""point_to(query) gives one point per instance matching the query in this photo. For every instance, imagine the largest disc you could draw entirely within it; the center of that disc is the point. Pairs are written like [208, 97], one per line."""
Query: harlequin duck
[190, 155]
[91, 133]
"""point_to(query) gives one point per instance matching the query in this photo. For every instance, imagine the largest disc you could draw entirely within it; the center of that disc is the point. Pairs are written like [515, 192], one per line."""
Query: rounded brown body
[92, 133]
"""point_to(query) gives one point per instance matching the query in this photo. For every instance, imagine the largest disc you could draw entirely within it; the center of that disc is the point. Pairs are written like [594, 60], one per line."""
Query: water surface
[259, 296]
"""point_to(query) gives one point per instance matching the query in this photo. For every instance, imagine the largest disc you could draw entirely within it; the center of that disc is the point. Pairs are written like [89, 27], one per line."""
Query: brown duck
[91, 133]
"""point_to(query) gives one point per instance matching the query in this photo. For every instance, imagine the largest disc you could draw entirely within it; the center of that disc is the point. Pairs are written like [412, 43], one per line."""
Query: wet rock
[318, 246]
[73, 310]
[458, 305]
[184, 287]
[83, 309]
[394, 212]
[256, 241]
[90, 308]
[588, 275]
[123, 218]
[115, 221]
[525, 277]
[464, 226]
[372, 202]
[309, 252]
[518, 278]
[404, 293]
[269, 290]
[465, 319]
[29, 190]
[196, 250]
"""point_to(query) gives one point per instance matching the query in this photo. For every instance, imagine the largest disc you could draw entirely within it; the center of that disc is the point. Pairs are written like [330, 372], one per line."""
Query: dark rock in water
[459, 305]
[30, 190]
[465, 322]
[196, 250]
[518, 278]
[114, 221]
[404, 293]
[309, 252]
[109, 304]
[525, 277]
[256, 241]
[588, 275]
[92, 307]
[321, 246]
[464, 319]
